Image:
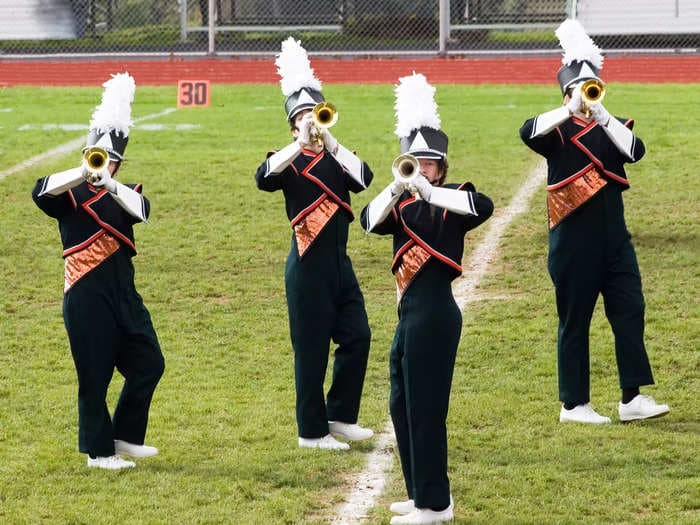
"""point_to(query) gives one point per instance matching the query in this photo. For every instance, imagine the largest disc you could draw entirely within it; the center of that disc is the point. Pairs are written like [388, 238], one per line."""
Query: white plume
[294, 68]
[577, 45]
[114, 112]
[415, 105]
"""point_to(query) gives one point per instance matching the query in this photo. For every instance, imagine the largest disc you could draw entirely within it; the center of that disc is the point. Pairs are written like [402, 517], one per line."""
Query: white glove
[304, 137]
[574, 103]
[105, 181]
[397, 187]
[599, 113]
[423, 187]
[329, 140]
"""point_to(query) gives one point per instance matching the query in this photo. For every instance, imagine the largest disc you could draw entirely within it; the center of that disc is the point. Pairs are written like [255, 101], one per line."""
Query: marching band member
[107, 323]
[428, 220]
[590, 251]
[316, 175]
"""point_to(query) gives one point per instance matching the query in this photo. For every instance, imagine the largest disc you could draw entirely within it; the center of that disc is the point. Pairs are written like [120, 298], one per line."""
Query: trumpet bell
[95, 160]
[325, 115]
[592, 91]
[405, 168]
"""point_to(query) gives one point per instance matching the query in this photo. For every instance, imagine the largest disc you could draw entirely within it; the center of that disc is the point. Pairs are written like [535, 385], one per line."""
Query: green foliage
[210, 268]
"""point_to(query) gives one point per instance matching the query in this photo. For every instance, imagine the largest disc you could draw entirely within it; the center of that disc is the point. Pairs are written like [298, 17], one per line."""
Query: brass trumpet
[592, 91]
[405, 169]
[324, 115]
[95, 160]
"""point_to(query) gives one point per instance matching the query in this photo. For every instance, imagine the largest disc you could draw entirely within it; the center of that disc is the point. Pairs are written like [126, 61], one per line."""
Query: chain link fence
[336, 27]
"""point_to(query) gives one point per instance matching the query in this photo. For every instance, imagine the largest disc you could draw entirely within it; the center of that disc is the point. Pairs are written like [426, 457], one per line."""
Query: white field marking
[486, 251]
[83, 127]
[66, 148]
[5, 110]
[369, 484]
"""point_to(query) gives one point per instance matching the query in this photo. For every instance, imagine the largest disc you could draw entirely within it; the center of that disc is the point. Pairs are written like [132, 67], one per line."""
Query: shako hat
[417, 119]
[111, 120]
[297, 79]
[582, 58]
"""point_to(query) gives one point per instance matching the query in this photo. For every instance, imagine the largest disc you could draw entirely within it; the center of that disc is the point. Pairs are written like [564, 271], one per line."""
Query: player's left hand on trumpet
[329, 140]
[422, 186]
[103, 179]
[599, 113]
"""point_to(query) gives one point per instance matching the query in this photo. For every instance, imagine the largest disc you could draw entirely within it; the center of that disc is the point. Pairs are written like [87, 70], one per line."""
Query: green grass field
[210, 268]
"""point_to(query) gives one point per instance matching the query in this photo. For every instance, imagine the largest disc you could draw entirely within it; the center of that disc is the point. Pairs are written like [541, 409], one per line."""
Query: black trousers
[421, 366]
[109, 327]
[325, 304]
[591, 254]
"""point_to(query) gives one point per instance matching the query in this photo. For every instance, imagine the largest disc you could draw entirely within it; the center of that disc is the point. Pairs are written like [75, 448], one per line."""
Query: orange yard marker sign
[192, 93]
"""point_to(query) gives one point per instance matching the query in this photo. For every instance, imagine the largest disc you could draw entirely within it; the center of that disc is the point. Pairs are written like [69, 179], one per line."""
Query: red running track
[651, 69]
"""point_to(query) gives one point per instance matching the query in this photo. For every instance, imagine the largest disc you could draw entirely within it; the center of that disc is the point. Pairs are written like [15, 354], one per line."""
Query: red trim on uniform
[111, 229]
[311, 207]
[401, 251]
[596, 160]
[84, 244]
[326, 189]
[561, 135]
[72, 199]
[426, 246]
[571, 178]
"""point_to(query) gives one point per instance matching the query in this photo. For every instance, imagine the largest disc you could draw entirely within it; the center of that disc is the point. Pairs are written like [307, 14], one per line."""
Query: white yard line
[369, 484]
[66, 148]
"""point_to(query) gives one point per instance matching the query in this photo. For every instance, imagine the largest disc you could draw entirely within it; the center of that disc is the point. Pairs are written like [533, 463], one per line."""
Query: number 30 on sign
[191, 93]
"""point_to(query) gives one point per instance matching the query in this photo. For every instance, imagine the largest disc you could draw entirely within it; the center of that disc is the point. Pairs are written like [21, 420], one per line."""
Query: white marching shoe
[327, 442]
[403, 507]
[641, 407]
[110, 462]
[349, 431]
[135, 451]
[583, 414]
[425, 516]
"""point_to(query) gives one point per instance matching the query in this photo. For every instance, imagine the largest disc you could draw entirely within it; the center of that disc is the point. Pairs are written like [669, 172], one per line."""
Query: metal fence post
[183, 20]
[444, 18]
[212, 26]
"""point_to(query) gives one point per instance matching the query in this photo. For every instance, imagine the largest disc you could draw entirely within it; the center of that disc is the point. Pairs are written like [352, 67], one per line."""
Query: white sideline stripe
[66, 148]
[485, 252]
[370, 483]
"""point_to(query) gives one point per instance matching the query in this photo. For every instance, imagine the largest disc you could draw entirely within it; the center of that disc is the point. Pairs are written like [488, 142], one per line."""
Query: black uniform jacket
[308, 180]
[85, 213]
[575, 147]
[440, 232]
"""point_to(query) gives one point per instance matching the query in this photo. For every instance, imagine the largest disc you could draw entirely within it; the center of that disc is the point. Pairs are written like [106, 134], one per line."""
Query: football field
[210, 267]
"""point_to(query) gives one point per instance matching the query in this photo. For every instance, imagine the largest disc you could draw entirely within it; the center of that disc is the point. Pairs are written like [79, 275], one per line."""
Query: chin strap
[277, 162]
[130, 200]
[380, 207]
[621, 136]
[456, 201]
[62, 181]
[546, 122]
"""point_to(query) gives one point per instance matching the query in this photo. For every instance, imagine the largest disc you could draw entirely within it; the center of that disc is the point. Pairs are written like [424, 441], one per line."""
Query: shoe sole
[139, 456]
[585, 422]
[641, 418]
[344, 436]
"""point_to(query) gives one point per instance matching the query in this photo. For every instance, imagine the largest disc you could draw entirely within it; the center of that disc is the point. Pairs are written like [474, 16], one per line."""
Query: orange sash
[562, 201]
[78, 264]
[307, 229]
[411, 263]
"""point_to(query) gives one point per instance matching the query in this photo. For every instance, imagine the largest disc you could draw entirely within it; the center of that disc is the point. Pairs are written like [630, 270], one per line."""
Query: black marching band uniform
[107, 323]
[324, 299]
[428, 240]
[590, 249]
